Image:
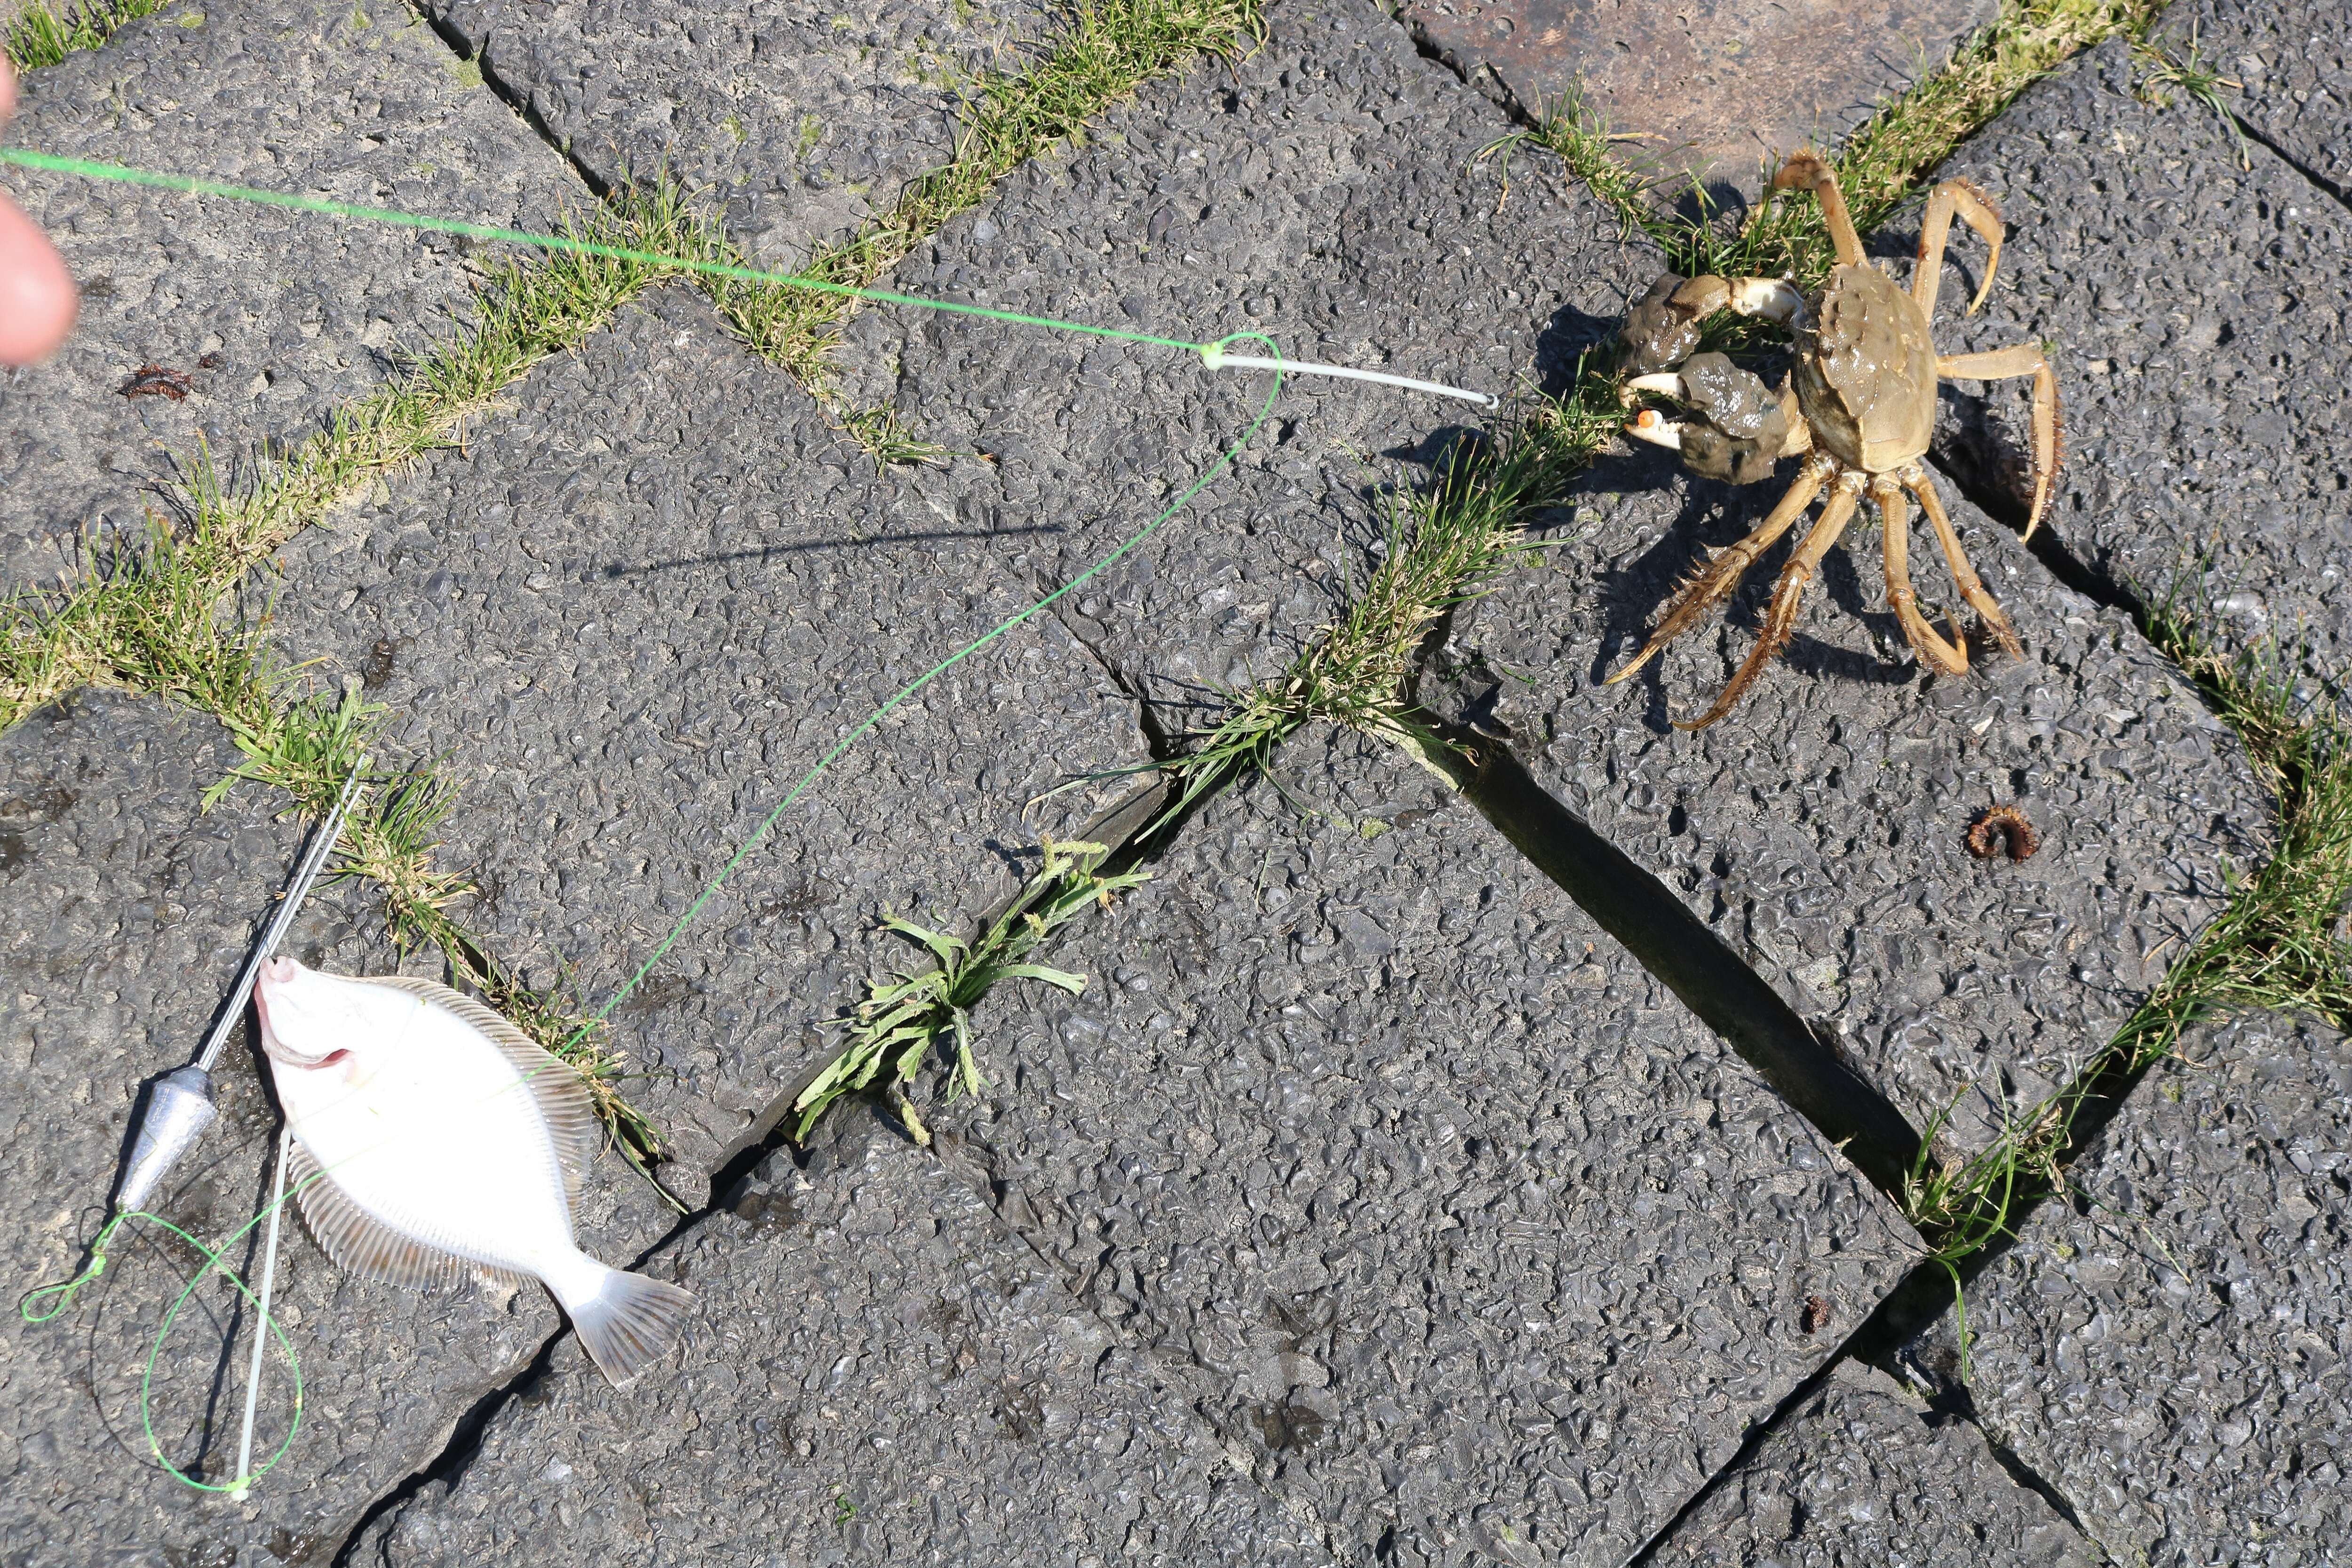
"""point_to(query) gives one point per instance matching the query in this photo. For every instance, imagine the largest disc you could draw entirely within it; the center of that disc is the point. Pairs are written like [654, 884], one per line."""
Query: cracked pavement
[1390, 1194]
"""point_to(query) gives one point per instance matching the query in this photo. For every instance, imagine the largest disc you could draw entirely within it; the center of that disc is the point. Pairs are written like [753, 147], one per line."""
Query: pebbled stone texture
[2169, 1348]
[806, 117]
[2198, 313]
[1819, 828]
[883, 1374]
[301, 314]
[630, 616]
[1326, 192]
[1449, 1217]
[1715, 87]
[130, 913]
[1860, 1475]
[2293, 59]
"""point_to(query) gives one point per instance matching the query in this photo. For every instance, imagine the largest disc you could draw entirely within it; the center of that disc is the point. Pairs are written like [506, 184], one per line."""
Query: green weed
[2163, 73]
[41, 35]
[898, 1024]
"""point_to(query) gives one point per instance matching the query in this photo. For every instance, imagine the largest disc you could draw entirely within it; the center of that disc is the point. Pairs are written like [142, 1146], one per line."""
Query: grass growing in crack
[41, 35]
[1444, 544]
[898, 1024]
[146, 615]
[140, 610]
[886, 438]
[2274, 946]
[1103, 53]
[1879, 167]
[306, 745]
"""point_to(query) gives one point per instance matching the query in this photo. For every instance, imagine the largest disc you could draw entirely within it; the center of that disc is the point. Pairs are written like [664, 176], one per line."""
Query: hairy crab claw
[1741, 426]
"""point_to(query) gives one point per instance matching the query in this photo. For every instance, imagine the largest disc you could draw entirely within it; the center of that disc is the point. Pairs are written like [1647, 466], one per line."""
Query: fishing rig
[179, 1104]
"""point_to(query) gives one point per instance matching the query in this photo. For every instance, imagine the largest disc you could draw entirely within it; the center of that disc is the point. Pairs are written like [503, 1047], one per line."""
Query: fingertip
[37, 298]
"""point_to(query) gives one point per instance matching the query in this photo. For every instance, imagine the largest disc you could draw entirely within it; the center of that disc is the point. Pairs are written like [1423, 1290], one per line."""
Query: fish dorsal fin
[555, 1084]
[358, 1241]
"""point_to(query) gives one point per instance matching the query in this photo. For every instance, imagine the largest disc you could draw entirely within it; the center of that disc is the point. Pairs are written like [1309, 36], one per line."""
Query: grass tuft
[148, 614]
[898, 1024]
[41, 35]
[1099, 56]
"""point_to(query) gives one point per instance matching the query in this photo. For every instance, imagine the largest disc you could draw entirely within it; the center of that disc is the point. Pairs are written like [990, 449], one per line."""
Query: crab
[1859, 407]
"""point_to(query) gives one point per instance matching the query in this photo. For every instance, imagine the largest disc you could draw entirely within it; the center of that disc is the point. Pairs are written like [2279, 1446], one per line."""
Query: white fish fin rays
[358, 1241]
[630, 1324]
[562, 1095]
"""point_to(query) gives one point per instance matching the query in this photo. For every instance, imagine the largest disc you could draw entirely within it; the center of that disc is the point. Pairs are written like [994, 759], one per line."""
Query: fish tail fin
[627, 1323]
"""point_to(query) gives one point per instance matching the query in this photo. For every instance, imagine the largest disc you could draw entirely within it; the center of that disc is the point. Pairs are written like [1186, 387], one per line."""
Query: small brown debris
[2018, 838]
[155, 381]
[211, 361]
[1815, 1317]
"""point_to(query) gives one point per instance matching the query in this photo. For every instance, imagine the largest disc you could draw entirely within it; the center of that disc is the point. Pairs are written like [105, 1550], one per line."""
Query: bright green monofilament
[1224, 461]
[190, 185]
[65, 1295]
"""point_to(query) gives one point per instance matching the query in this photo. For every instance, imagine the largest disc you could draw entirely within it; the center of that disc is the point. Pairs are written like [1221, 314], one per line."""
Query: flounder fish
[441, 1137]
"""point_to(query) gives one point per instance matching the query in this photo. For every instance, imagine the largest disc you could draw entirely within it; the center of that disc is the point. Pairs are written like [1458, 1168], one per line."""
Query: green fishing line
[58, 1299]
[190, 185]
[1224, 461]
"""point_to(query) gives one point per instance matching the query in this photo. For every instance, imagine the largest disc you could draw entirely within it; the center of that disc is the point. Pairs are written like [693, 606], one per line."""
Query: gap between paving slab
[2166, 1341]
[1862, 1475]
[881, 1373]
[1325, 191]
[2196, 316]
[1819, 828]
[2293, 61]
[808, 119]
[1437, 1204]
[299, 314]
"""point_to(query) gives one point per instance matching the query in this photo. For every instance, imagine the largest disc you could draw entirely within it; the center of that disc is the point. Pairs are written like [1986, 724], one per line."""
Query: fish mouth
[277, 972]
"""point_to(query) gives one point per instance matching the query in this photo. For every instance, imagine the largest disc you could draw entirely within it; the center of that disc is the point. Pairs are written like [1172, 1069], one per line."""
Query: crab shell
[1865, 372]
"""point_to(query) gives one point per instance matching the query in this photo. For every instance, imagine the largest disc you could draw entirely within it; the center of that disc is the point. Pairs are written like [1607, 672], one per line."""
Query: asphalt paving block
[243, 325]
[2168, 1345]
[1327, 192]
[1442, 1211]
[1820, 828]
[133, 910]
[2196, 313]
[881, 1373]
[628, 617]
[1712, 90]
[806, 119]
[1860, 1475]
[2291, 61]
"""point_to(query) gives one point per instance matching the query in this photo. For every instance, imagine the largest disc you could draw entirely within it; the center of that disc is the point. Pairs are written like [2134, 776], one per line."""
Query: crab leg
[2002, 364]
[1964, 576]
[1807, 173]
[1709, 584]
[1977, 208]
[1950, 658]
[1781, 621]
